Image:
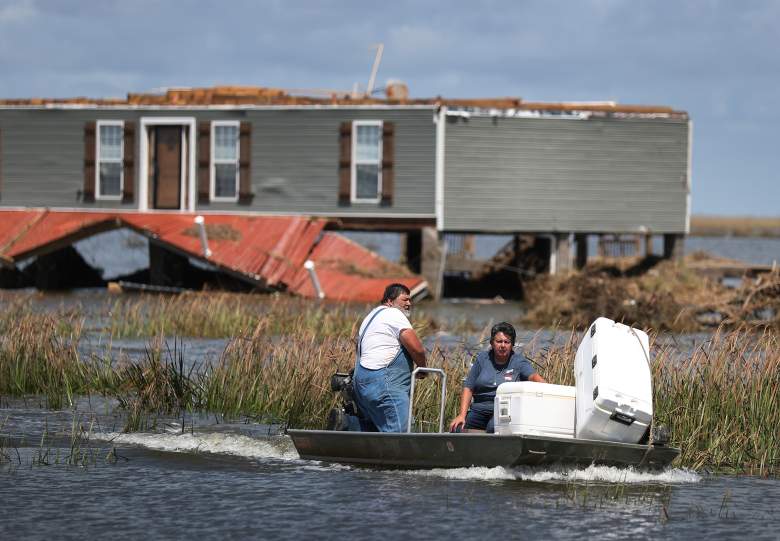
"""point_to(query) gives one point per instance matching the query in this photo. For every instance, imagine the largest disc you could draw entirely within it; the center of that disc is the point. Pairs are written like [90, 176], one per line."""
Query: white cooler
[539, 409]
[613, 380]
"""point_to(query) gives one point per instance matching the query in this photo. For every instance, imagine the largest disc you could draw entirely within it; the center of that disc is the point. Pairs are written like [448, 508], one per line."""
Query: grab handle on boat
[443, 379]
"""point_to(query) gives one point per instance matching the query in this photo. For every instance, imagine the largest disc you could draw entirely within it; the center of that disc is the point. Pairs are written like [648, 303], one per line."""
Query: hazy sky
[718, 60]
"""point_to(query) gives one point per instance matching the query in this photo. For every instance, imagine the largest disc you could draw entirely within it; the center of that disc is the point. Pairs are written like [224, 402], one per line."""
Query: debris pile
[655, 293]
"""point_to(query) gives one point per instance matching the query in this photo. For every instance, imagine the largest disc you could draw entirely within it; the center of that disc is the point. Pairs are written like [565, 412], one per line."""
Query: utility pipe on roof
[309, 266]
[204, 241]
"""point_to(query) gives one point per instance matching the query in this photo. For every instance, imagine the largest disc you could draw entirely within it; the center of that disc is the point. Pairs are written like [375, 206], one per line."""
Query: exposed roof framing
[263, 96]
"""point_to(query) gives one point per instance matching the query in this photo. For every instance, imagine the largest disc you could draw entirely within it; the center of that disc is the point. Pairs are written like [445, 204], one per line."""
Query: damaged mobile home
[550, 172]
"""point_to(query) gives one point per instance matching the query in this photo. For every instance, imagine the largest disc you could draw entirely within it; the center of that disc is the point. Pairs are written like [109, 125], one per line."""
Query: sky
[717, 60]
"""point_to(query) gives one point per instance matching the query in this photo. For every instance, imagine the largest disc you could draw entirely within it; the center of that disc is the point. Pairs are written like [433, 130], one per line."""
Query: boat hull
[423, 450]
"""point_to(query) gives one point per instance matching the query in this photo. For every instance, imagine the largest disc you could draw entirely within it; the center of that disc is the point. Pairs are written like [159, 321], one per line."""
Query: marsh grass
[216, 315]
[720, 398]
[202, 314]
[603, 495]
[735, 226]
[49, 450]
[287, 382]
[157, 385]
[721, 402]
[35, 358]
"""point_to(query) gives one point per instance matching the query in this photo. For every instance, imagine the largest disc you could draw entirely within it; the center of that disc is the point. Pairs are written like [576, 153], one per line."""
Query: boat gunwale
[577, 441]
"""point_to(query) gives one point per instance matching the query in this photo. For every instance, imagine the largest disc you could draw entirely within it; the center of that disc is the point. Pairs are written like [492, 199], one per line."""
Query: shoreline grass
[734, 226]
[663, 295]
[195, 314]
[719, 400]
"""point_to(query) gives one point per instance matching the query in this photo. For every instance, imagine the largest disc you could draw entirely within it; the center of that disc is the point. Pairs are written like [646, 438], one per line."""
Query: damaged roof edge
[234, 97]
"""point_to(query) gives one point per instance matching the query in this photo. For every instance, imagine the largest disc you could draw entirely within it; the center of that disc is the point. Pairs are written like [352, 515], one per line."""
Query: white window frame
[99, 196]
[353, 187]
[213, 162]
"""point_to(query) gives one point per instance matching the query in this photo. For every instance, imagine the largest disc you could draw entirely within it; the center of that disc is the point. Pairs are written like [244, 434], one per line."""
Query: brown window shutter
[245, 194]
[88, 193]
[345, 162]
[1, 162]
[204, 161]
[388, 158]
[128, 189]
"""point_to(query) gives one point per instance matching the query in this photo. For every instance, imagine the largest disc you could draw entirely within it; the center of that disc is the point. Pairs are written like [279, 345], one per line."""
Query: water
[246, 481]
[761, 251]
[123, 251]
[218, 483]
[752, 250]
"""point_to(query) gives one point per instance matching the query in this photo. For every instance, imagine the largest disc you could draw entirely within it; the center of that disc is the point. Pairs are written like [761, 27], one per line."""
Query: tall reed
[282, 381]
[214, 315]
[36, 358]
[159, 384]
[720, 398]
[722, 401]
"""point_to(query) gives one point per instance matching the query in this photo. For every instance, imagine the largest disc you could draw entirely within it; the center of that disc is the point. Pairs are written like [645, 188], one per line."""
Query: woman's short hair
[505, 328]
[393, 291]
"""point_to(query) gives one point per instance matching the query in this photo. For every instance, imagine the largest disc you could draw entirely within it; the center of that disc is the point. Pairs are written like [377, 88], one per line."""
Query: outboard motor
[345, 416]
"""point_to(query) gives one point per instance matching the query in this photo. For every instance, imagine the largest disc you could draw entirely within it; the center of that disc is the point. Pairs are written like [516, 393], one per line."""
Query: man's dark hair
[393, 291]
[505, 328]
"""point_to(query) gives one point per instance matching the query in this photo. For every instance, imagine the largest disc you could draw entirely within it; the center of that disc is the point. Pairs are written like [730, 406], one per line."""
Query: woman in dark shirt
[490, 369]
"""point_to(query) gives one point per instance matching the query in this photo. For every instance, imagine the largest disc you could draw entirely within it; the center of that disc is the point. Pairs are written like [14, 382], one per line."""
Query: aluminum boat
[458, 450]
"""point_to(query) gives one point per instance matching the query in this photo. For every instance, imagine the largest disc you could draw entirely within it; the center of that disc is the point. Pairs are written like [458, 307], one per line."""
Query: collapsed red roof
[268, 251]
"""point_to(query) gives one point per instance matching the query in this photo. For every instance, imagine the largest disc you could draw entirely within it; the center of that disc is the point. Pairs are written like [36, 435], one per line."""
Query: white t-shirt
[380, 342]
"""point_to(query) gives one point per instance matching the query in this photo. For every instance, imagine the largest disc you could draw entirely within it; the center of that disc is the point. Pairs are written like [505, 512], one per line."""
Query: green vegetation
[217, 315]
[720, 399]
[202, 315]
[734, 226]
[721, 402]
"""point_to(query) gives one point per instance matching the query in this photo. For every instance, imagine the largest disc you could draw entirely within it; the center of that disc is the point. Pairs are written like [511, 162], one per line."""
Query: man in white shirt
[387, 347]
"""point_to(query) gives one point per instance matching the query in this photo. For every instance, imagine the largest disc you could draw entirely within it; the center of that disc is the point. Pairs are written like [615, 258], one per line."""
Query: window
[224, 161]
[366, 161]
[110, 154]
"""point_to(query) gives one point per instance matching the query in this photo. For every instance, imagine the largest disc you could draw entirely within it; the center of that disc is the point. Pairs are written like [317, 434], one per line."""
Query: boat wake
[272, 447]
[563, 474]
[281, 448]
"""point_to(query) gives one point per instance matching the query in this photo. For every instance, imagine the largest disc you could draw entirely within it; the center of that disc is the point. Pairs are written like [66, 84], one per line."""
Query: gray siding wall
[295, 156]
[43, 157]
[294, 164]
[549, 174]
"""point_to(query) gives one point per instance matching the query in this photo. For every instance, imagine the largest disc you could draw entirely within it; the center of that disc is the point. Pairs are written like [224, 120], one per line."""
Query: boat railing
[443, 380]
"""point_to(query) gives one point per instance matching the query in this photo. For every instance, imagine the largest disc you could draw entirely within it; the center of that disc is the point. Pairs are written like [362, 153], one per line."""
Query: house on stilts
[555, 173]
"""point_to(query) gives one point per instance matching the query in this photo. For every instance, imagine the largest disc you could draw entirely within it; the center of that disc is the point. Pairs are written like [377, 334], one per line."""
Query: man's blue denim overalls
[383, 394]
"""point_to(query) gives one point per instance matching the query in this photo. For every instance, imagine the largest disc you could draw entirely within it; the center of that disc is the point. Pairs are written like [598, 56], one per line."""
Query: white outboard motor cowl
[614, 383]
